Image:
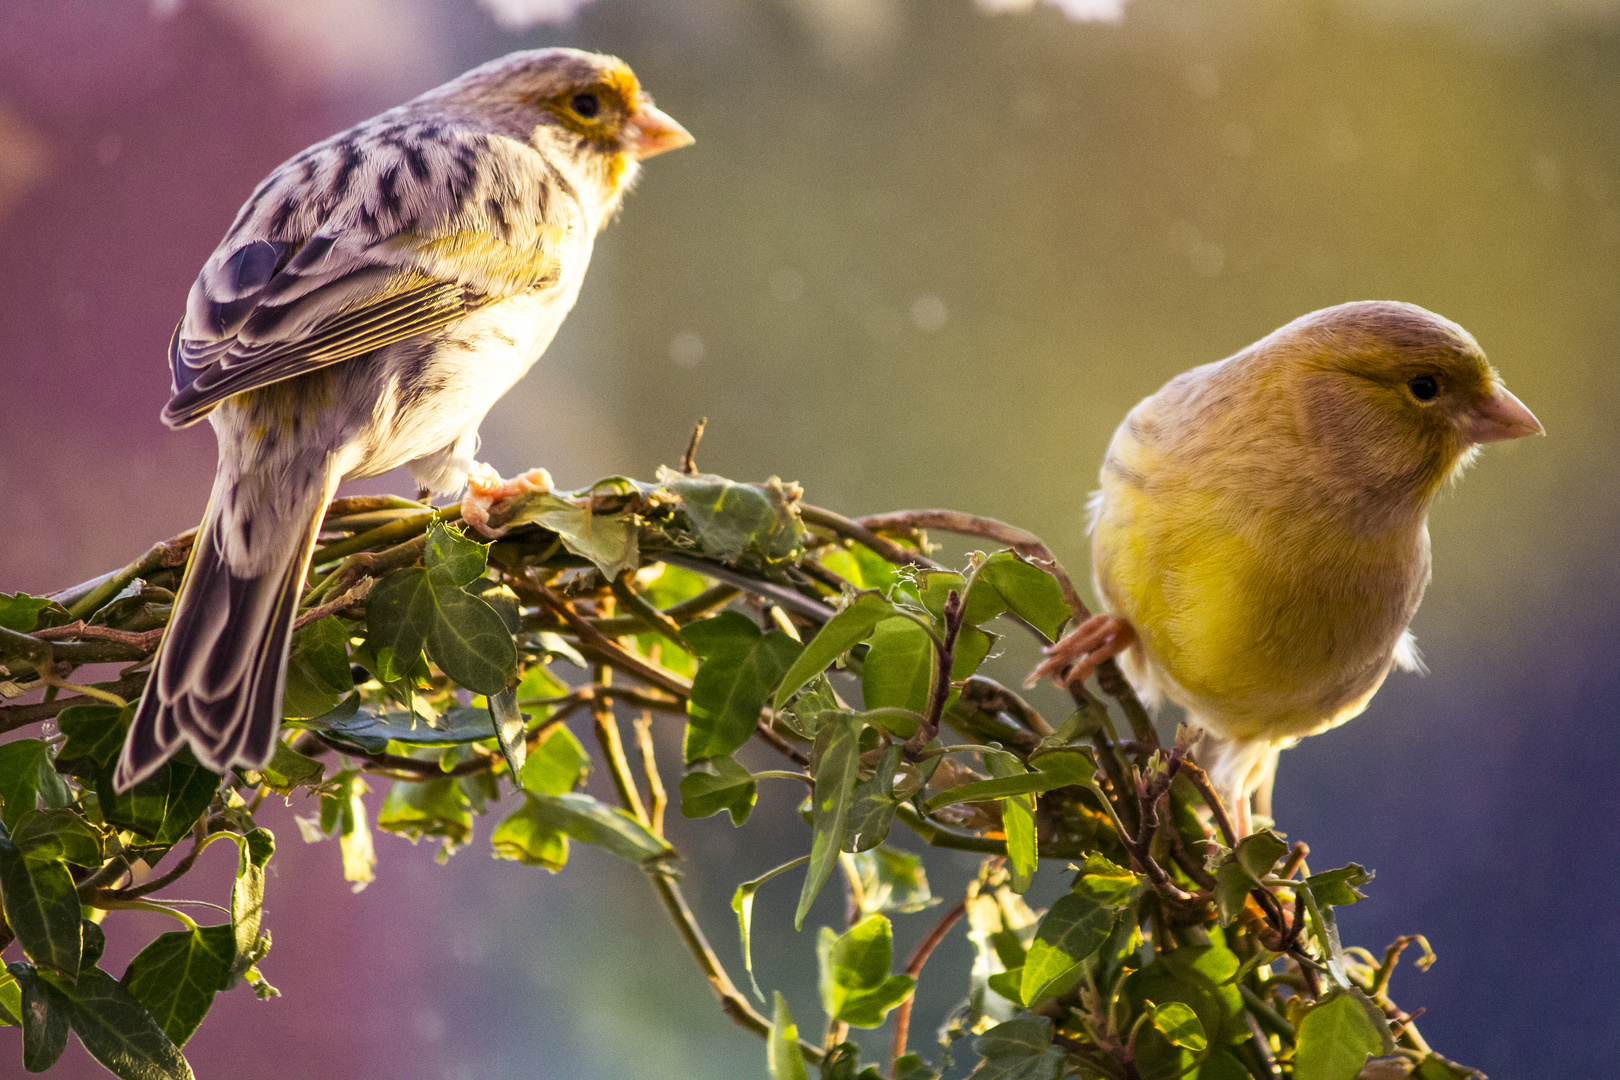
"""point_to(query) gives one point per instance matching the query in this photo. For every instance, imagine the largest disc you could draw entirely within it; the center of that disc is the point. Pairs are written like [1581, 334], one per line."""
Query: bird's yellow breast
[1266, 619]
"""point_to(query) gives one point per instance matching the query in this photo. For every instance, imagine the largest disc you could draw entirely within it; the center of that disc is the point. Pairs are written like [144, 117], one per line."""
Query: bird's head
[1397, 396]
[588, 102]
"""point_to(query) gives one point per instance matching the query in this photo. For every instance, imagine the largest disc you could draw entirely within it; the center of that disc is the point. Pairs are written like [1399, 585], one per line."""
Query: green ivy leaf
[318, 672]
[734, 520]
[1019, 1050]
[45, 1021]
[20, 763]
[509, 724]
[1109, 883]
[836, 637]
[20, 612]
[428, 608]
[247, 898]
[1055, 769]
[1337, 1036]
[531, 836]
[41, 904]
[730, 787]
[1068, 935]
[1241, 870]
[742, 902]
[838, 753]
[899, 669]
[399, 616]
[165, 805]
[1435, 1067]
[1025, 589]
[557, 765]
[782, 1054]
[418, 808]
[177, 975]
[856, 986]
[740, 666]
[1232, 886]
[47, 835]
[95, 733]
[1196, 976]
[10, 1000]
[1009, 984]
[1335, 888]
[609, 540]
[1179, 1025]
[289, 769]
[872, 806]
[451, 553]
[859, 565]
[586, 820]
[1017, 821]
[804, 713]
[906, 1067]
[117, 1029]
[1258, 852]
[889, 880]
[469, 640]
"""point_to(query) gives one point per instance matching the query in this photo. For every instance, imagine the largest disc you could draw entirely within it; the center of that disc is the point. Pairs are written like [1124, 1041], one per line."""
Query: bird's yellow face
[613, 112]
[1401, 397]
[596, 100]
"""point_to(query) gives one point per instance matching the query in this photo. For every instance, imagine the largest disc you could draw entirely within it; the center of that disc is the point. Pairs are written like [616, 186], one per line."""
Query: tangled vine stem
[610, 617]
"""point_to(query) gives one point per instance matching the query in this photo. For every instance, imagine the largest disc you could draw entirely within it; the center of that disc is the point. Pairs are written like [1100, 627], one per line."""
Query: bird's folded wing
[267, 310]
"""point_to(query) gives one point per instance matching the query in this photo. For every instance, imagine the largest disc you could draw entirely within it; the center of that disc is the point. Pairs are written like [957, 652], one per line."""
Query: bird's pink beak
[1501, 416]
[652, 131]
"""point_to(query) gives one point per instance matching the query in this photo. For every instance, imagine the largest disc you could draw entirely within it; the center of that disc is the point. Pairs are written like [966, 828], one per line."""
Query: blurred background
[924, 253]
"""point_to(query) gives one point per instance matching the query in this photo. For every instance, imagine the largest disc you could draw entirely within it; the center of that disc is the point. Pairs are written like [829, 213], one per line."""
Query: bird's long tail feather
[218, 678]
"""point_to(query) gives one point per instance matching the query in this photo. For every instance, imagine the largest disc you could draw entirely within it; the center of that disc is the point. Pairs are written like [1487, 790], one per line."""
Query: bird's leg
[1242, 821]
[485, 488]
[1099, 638]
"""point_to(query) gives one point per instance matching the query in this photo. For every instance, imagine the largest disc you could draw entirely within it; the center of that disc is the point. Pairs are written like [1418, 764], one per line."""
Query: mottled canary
[374, 297]
[1260, 541]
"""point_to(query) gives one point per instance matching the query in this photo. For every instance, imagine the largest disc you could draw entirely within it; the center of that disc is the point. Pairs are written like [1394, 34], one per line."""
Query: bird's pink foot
[1099, 638]
[485, 489]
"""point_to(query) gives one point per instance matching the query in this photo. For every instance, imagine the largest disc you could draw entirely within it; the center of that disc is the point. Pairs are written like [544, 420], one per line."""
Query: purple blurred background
[922, 254]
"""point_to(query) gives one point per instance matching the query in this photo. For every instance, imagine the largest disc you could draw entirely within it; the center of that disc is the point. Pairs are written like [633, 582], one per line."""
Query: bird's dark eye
[1424, 387]
[586, 105]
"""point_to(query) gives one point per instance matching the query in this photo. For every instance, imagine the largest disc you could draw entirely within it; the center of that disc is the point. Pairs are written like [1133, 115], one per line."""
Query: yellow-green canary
[374, 297]
[1260, 541]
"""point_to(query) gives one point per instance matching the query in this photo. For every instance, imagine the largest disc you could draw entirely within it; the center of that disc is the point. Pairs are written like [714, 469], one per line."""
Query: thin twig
[914, 966]
[624, 591]
[649, 765]
[356, 593]
[855, 530]
[386, 535]
[199, 837]
[43, 656]
[1296, 859]
[84, 600]
[611, 651]
[944, 658]
[770, 738]
[689, 459]
[608, 738]
[1200, 780]
[1033, 548]
[141, 639]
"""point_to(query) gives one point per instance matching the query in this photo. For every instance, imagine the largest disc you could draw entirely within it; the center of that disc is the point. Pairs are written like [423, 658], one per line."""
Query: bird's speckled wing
[390, 230]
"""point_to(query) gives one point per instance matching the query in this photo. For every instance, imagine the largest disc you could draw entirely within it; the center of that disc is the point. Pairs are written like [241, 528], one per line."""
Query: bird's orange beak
[652, 131]
[1501, 416]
